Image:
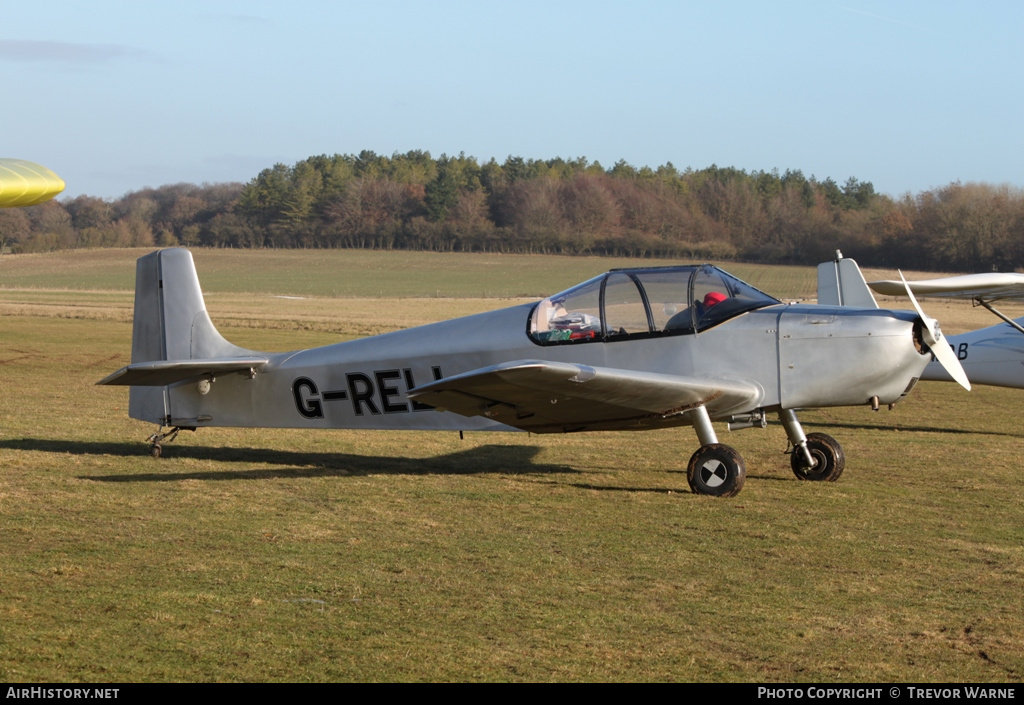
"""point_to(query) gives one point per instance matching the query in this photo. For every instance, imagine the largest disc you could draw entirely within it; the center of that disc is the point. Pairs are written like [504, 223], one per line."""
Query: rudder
[840, 283]
[170, 322]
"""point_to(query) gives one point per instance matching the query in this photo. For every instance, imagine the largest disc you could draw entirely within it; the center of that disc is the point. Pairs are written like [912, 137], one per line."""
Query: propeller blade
[937, 343]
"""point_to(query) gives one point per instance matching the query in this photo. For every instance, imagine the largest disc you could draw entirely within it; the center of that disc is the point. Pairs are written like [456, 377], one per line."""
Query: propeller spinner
[934, 339]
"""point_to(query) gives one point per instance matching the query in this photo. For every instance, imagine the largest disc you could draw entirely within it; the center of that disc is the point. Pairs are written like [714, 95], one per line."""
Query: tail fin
[173, 338]
[171, 322]
[840, 283]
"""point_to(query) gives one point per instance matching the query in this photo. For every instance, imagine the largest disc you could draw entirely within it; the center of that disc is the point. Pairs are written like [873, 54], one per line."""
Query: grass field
[256, 555]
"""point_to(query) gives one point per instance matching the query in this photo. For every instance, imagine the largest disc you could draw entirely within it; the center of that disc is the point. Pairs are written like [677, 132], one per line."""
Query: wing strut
[999, 313]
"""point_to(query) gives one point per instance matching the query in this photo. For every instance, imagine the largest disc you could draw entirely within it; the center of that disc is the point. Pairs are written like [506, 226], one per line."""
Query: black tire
[829, 457]
[716, 470]
[155, 450]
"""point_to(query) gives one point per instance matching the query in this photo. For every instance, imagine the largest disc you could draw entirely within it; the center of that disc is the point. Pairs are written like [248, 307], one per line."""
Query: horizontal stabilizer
[543, 396]
[989, 287]
[163, 372]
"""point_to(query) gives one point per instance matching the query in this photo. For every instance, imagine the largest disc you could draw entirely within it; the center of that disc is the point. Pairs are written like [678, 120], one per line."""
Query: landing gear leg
[715, 469]
[702, 425]
[816, 456]
[156, 440]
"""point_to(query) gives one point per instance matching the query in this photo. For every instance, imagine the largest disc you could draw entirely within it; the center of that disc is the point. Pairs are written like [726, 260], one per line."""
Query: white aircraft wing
[557, 397]
[163, 372]
[984, 287]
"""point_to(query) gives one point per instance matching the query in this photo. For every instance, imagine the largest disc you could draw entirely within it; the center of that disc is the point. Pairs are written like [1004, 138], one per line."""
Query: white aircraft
[25, 183]
[631, 349]
[993, 355]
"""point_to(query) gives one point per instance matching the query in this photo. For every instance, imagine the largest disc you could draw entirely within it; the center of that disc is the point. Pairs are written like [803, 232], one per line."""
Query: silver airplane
[631, 349]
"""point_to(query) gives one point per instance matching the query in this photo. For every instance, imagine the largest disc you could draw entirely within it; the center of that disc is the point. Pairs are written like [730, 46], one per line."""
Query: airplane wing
[982, 287]
[559, 397]
[24, 183]
[163, 372]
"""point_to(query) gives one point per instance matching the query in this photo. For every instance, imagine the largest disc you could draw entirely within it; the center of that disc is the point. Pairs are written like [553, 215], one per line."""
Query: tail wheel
[829, 460]
[716, 470]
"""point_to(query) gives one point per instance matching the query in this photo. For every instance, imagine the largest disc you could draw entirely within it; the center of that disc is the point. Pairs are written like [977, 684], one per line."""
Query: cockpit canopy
[649, 302]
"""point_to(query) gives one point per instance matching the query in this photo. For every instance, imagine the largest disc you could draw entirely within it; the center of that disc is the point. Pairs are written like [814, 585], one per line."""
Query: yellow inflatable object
[25, 183]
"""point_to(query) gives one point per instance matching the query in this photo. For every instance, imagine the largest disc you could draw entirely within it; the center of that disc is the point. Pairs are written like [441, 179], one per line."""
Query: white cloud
[67, 52]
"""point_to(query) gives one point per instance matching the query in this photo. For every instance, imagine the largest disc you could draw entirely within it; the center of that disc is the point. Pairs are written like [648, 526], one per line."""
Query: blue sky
[118, 96]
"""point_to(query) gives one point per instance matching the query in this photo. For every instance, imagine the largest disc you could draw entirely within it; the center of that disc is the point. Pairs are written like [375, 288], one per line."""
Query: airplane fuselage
[798, 356]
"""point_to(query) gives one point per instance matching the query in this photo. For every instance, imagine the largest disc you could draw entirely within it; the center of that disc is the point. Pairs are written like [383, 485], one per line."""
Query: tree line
[416, 201]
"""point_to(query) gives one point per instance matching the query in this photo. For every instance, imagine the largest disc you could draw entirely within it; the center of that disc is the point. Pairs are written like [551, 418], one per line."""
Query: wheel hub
[713, 473]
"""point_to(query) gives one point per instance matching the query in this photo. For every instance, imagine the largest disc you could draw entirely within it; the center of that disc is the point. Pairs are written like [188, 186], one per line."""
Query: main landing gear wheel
[716, 470]
[829, 460]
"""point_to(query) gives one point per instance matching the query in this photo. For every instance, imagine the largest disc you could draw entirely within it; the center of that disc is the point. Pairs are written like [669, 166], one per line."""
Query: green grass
[269, 555]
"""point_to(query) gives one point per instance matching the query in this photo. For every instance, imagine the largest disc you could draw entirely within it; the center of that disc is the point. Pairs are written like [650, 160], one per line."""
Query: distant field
[376, 273]
[369, 273]
[235, 280]
[292, 555]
